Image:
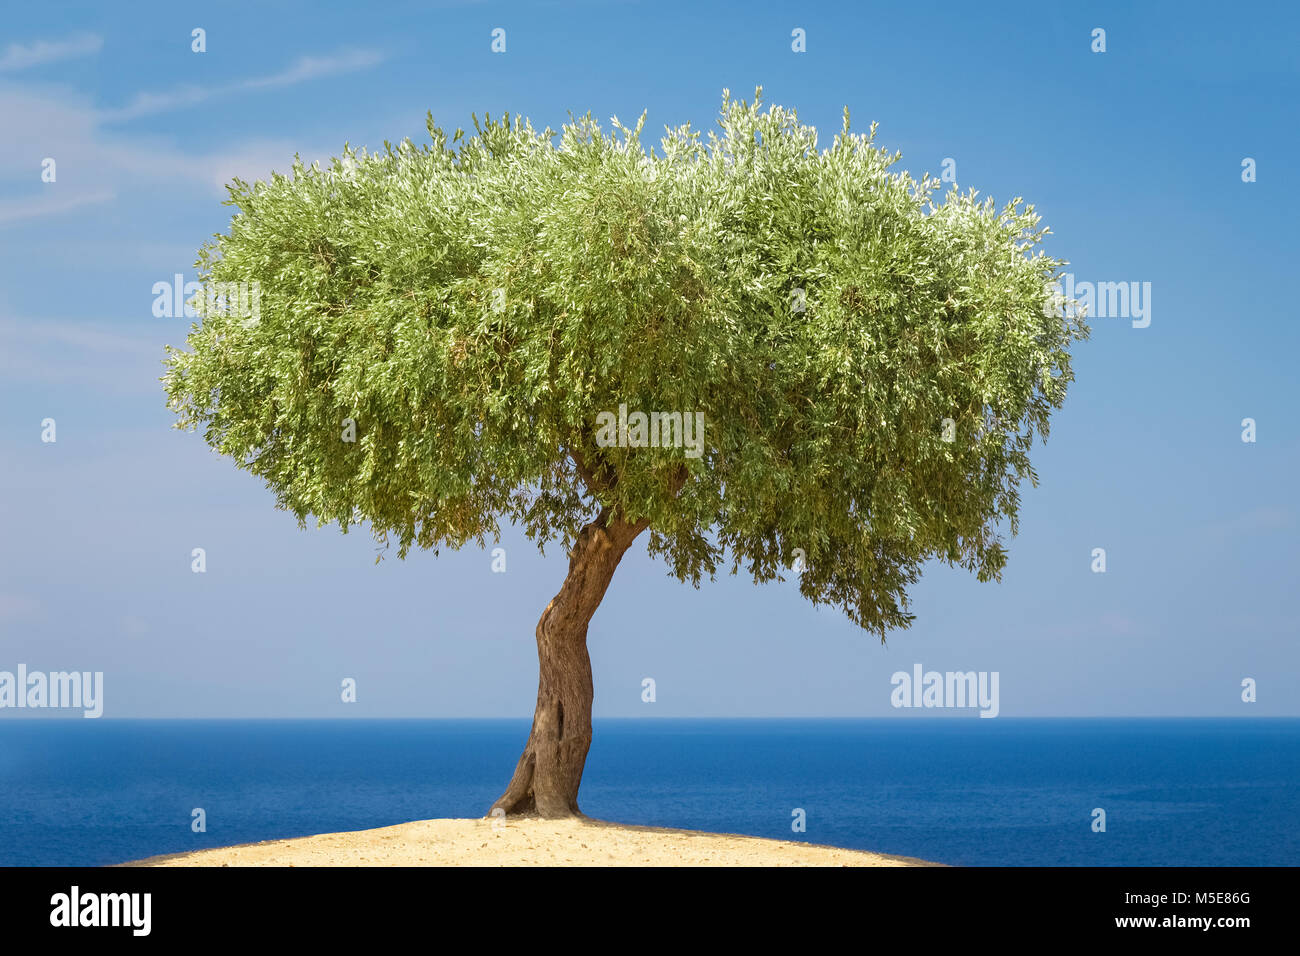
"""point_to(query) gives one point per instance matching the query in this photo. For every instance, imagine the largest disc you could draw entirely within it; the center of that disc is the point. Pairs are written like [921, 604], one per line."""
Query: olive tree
[444, 333]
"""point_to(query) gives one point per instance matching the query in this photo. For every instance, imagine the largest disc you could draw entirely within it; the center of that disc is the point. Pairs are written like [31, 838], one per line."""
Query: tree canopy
[873, 362]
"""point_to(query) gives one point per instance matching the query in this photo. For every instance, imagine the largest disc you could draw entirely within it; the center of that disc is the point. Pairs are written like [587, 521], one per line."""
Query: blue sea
[1201, 792]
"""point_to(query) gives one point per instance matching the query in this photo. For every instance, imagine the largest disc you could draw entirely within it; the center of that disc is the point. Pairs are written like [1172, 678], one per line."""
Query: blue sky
[1133, 156]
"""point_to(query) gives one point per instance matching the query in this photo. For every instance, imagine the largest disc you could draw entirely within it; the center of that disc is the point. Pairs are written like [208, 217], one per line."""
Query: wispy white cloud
[300, 71]
[1263, 519]
[17, 56]
[50, 204]
[87, 336]
[312, 67]
[97, 164]
[81, 353]
[59, 123]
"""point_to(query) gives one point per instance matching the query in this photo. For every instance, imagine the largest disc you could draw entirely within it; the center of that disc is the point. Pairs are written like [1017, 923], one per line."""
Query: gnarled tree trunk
[549, 772]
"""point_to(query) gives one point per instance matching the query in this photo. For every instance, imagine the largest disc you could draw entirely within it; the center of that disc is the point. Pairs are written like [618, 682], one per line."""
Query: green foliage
[663, 280]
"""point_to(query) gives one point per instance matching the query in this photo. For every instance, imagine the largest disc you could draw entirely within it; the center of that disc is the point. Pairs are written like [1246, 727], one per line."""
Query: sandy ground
[528, 842]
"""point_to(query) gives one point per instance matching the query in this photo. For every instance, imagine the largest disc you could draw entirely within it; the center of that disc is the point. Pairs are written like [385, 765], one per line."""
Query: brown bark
[549, 772]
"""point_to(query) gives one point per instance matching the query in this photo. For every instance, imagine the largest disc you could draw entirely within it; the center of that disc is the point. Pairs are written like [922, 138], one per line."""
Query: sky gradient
[1133, 157]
